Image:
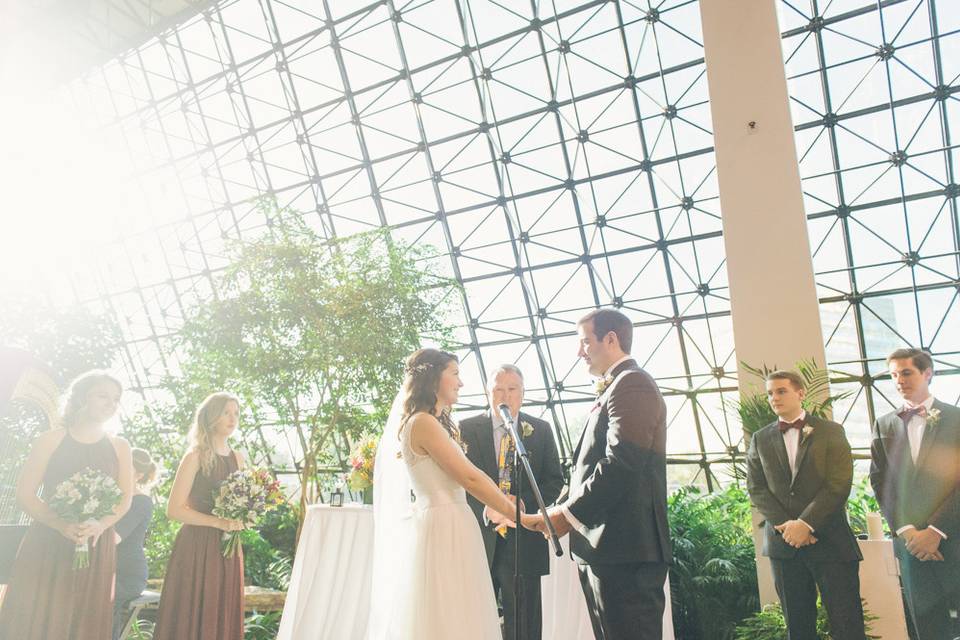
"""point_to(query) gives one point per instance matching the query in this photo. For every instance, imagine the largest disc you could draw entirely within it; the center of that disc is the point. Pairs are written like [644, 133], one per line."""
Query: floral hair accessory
[412, 370]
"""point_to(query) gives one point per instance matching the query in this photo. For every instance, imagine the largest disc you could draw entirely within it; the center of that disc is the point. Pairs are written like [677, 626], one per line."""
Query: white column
[773, 300]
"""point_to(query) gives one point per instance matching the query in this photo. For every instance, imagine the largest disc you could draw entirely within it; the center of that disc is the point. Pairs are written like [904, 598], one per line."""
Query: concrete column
[769, 264]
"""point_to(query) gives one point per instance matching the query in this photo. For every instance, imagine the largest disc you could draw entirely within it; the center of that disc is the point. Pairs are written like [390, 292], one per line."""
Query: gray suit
[923, 494]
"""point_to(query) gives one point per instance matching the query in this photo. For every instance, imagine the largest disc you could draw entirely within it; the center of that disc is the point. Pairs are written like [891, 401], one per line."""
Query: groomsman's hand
[923, 544]
[796, 533]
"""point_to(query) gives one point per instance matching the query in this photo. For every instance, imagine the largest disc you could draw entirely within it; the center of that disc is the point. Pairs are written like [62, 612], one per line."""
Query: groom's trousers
[531, 609]
[625, 601]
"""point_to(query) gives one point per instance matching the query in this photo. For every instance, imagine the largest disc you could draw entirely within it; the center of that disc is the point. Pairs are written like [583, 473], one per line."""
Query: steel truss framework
[559, 155]
[874, 92]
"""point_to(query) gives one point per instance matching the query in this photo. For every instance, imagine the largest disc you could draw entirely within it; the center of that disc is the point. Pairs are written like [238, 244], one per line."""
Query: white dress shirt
[791, 440]
[915, 429]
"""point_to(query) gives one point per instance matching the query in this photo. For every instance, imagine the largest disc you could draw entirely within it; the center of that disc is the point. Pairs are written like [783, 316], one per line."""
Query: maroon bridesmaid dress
[46, 598]
[202, 596]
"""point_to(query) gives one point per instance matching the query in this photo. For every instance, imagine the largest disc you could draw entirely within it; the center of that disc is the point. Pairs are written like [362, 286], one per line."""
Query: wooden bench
[255, 598]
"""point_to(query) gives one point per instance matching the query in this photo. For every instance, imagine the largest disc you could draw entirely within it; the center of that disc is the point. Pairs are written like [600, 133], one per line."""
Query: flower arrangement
[246, 495]
[932, 417]
[527, 429]
[361, 464]
[84, 497]
[601, 385]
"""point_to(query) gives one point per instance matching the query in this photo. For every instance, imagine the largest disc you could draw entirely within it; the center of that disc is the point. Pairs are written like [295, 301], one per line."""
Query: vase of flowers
[361, 467]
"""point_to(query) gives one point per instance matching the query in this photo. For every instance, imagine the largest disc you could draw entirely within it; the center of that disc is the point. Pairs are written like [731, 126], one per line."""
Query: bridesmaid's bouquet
[361, 464]
[83, 498]
[246, 495]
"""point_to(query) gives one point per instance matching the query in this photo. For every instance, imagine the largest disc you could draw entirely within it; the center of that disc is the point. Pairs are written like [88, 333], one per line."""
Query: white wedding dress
[448, 589]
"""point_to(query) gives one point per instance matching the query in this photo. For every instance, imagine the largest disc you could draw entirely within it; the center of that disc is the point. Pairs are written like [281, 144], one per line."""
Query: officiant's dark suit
[923, 494]
[618, 496]
[478, 434]
[817, 495]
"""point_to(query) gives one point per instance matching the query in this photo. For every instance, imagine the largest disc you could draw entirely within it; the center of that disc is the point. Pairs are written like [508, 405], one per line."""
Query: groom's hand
[560, 523]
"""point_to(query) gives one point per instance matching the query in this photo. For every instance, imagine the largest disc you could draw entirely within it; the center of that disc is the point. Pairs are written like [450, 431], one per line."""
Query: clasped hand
[796, 534]
[77, 532]
[924, 544]
[497, 519]
[535, 522]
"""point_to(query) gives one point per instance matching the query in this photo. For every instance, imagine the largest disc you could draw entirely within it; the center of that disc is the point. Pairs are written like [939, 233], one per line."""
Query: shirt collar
[609, 371]
[802, 416]
[926, 404]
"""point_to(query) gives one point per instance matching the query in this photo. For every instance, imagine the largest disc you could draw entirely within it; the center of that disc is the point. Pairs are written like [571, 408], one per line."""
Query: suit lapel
[629, 363]
[928, 436]
[776, 439]
[803, 445]
[484, 444]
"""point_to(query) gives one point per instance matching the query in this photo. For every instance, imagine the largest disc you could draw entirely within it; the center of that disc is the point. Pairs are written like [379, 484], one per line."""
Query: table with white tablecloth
[329, 595]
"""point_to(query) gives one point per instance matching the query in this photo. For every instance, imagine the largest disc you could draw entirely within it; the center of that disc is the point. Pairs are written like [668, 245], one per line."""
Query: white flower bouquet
[246, 495]
[85, 497]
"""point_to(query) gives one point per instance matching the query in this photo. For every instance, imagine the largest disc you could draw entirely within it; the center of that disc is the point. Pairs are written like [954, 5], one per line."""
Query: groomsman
[914, 473]
[490, 447]
[799, 473]
[616, 511]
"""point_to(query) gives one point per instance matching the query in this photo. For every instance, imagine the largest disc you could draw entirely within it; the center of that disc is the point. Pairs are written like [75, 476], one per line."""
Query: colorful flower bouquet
[361, 463]
[85, 497]
[246, 495]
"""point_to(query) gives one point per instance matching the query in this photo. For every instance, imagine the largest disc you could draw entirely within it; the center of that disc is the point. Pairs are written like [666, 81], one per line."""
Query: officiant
[490, 447]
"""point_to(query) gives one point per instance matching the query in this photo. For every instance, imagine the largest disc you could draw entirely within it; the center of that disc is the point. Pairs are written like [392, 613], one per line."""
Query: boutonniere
[807, 431]
[932, 417]
[602, 384]
[526, 428]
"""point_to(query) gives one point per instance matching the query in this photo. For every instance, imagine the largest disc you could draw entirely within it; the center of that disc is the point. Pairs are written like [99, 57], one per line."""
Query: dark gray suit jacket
[477, 433]
[925, 493]
[817, 494]
[618, 486]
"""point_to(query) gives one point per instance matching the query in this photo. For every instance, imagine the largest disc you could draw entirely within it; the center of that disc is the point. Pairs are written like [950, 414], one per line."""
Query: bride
[430, 575]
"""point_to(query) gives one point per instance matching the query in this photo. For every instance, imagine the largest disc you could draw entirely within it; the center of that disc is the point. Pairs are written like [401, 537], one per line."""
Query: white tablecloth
[329, 594]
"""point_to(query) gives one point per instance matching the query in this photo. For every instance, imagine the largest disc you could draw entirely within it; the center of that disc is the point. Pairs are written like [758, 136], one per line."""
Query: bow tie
[786, 426]
[906, 413]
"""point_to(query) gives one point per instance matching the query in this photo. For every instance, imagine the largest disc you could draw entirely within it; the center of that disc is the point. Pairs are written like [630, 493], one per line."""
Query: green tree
[67, 341]
[312, 335]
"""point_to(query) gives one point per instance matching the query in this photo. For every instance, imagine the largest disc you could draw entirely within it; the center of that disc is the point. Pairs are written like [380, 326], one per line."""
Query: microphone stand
[521, 458]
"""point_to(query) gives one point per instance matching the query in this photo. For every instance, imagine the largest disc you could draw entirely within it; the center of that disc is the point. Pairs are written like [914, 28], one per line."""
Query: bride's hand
[532, 521]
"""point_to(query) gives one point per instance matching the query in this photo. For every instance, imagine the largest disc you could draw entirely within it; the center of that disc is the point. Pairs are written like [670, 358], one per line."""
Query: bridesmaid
[202, 596]
[129, 534]
[46, 598]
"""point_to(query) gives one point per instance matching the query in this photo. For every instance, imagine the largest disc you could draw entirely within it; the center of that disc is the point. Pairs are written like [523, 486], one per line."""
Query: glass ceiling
[559, 156]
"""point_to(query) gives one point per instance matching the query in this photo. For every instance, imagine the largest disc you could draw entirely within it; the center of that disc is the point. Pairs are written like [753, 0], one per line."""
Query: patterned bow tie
[786, 426]
[907, 413]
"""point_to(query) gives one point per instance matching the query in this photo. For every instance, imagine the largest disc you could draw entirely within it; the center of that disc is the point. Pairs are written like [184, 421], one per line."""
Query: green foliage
[159, 542]
[264, 565]
[859, 504]
[261, 626]
[755, 411]
[713, 579]
[769, 624]
[68, 341]
[141, 630]
[312, 333]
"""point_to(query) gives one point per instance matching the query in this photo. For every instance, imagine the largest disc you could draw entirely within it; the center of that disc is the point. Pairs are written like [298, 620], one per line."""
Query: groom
[489, 447]
[616, 510]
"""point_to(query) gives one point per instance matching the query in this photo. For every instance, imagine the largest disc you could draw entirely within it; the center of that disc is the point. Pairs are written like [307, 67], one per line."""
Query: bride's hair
[421, 379]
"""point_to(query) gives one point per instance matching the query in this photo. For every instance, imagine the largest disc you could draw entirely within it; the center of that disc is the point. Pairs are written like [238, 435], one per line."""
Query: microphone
[505, 414]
